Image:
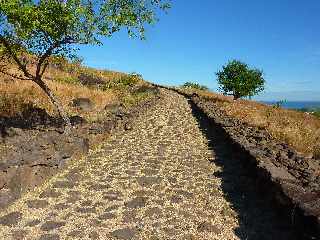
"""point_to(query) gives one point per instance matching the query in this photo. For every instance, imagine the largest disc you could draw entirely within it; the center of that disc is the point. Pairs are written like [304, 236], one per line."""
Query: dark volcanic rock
[19, 234]
[115, 107]
[50, 193]
[125, 233]
[33, 223]
[84, 104]
[34, 157]
[137, 202]
[208, 227]
[10, 219]
[75, 120]
[37, 203]
[148, 181]
[49, 237]
[50, 225]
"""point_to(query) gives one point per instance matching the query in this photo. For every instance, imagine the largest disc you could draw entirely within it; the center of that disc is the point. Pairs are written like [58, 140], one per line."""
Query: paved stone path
[153, 182]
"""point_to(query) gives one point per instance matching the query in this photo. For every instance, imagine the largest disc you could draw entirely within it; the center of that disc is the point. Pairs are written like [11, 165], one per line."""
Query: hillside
[298, 129]
[70, 81]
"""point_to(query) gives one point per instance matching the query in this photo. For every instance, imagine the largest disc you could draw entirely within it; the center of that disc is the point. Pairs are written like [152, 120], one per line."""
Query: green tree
[32, 31]
[195, 86]
[238, 80]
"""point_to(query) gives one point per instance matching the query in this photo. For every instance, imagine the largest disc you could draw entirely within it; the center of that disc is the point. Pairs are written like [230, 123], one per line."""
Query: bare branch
[67, 40]
[45, 56]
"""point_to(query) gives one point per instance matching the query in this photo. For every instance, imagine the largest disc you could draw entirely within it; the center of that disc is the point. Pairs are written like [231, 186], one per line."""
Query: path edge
[300, 204]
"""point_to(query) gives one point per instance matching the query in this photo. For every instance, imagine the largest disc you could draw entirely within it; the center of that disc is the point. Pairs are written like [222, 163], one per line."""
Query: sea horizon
[295, 104]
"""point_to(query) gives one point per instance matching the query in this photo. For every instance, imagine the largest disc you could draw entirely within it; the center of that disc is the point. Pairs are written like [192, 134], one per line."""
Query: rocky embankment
[292, 180]
[33, 148]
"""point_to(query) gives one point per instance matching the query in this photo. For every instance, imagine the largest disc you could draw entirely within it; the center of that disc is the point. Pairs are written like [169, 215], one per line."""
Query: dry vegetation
[63, 79]
[298, 129]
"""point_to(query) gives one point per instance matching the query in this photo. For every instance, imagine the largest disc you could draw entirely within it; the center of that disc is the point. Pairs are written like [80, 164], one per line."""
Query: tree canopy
[238, 80]
[45, 28]
[195, 85]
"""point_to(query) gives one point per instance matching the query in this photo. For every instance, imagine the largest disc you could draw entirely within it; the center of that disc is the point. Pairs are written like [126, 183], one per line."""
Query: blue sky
[196, 38]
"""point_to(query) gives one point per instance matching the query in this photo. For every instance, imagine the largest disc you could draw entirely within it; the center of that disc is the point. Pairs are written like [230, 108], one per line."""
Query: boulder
[76, 120]
[114, 108]
[84, 104]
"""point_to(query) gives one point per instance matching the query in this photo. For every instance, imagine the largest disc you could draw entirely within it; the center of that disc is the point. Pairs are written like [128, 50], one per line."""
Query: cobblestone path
[152, 182]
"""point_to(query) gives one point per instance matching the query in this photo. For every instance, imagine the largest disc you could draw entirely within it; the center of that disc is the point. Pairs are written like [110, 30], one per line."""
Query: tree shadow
[259, 218]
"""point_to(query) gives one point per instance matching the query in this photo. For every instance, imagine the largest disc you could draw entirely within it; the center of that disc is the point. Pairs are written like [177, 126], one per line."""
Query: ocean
[296, 104]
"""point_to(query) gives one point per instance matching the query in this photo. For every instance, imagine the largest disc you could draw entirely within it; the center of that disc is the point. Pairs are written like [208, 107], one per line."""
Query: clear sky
[195, 38]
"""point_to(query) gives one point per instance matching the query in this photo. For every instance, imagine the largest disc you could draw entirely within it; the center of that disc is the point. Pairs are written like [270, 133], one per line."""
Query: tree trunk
[56, 103]
[236, 96]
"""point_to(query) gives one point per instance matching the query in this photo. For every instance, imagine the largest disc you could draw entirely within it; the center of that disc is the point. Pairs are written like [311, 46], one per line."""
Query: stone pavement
[155, 181]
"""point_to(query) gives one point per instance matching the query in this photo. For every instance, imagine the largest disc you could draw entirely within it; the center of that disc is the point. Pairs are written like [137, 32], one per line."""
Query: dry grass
[15, 95]
[300, 130]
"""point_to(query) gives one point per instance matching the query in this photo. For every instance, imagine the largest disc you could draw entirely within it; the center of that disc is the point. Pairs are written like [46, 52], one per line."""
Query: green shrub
[279, 104]
[129, 80]
[195, 86]
[130, 99]
[68, 80]
[123, 82]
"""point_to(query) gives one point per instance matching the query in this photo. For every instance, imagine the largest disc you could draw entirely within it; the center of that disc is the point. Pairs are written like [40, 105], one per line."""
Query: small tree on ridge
[238, 80]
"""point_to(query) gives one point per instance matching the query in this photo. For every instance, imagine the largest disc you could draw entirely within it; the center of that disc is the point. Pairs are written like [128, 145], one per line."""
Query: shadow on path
[258, 218]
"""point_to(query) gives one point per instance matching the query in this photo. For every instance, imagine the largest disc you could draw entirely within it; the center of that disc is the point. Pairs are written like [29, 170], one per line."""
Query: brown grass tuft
[300, 130]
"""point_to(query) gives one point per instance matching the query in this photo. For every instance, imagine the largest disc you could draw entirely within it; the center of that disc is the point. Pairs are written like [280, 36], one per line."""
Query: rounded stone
[137, 202]
[37, 203]
[124, 233]
[50, 225]
[61, 206]
[63, 184]
[93, 235]
[10, 219]
[75, 234]
[107, 216]
[49, 237]
[19, 234]
[33, 223]
[50, 194]
[208, 227]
